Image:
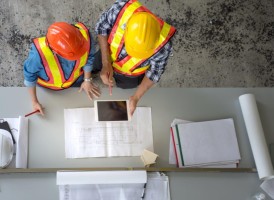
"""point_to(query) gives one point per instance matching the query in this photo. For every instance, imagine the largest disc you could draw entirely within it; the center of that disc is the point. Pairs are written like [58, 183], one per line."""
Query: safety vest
[129, 65]
[53, 69]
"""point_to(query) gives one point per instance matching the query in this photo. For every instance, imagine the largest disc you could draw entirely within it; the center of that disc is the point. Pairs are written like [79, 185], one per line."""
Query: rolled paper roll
[256, 136]
[100, 177]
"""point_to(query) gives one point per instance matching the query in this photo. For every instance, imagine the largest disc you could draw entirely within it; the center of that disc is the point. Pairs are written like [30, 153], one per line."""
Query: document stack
[204, 144]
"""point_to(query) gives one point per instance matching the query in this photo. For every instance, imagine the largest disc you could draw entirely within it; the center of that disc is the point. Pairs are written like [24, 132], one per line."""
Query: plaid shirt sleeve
[107, 19]
[158, 63]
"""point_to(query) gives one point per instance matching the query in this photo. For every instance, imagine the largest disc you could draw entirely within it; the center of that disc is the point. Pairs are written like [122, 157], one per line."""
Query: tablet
[111, 110]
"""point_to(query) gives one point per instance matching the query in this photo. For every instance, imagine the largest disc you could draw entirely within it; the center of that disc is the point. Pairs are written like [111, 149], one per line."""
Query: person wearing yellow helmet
[61, 59]
[135, 46]
[142, 35]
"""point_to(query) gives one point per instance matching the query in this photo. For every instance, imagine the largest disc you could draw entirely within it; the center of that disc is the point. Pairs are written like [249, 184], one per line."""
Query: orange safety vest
[53, 67]
[129, 65]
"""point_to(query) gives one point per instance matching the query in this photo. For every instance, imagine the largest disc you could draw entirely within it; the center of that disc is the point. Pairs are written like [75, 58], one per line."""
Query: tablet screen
[111, 110]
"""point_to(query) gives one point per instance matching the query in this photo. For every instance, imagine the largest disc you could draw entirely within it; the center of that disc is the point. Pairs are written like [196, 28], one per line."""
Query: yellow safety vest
[130, 65]
[53, 67]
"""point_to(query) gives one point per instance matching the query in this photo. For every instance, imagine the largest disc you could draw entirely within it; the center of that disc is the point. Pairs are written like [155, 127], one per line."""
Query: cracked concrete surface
[219, 43]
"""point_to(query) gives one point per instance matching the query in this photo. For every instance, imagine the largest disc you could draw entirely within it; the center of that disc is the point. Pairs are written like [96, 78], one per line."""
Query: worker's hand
[90, 89]
[37, 106]
[107, 75]
[133, 100]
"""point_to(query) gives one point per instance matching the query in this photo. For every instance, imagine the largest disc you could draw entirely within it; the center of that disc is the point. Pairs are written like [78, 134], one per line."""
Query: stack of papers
[204, 144]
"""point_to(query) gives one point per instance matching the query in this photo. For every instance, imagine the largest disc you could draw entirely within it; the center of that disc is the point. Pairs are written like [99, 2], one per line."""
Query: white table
[46, 139]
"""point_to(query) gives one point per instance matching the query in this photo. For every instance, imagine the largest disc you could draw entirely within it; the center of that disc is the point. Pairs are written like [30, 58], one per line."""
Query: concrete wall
[219, 43]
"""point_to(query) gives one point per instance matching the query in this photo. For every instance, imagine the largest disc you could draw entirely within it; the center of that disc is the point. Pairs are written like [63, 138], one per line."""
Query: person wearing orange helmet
[61, 59]
[135, 46]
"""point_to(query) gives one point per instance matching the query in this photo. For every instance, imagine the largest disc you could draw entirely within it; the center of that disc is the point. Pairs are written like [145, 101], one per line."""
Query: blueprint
[84, 137]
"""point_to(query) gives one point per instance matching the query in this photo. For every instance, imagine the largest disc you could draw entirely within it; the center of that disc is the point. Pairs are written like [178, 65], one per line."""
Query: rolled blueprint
[100, 177]
[256, 136]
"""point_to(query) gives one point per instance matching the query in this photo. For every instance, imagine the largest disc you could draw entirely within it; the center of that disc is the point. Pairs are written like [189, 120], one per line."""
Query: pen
[36, 111]
[144, 191]
[109, 87]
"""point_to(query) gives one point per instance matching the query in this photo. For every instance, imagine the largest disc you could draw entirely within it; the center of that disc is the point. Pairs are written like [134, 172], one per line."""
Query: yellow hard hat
[142, 35]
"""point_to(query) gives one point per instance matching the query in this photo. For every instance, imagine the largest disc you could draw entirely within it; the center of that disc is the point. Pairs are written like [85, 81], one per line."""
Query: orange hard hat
[66, 40]
[142, 35]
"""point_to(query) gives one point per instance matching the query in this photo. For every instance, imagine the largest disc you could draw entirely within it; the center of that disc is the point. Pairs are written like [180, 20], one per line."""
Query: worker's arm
[107, 70]
[88, 86]
[153, 75]
[32, 66]
[145, 85]
[35, 103]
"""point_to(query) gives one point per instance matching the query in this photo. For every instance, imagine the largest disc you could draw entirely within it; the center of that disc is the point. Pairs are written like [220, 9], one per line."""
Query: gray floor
[219, 43]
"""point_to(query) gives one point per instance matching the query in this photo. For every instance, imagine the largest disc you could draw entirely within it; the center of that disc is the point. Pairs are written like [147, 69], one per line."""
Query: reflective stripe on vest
[52, 65]
[129, 65]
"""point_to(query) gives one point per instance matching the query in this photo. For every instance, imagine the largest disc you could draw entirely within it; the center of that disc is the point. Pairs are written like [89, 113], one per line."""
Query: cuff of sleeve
[154, 79]
[102, 32]
[87, 68]
[29, 84]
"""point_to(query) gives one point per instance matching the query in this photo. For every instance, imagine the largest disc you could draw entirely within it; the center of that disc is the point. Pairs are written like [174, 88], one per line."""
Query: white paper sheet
[86, 138]
[22, 143]
[100, 177]
[209, 142]
[256, 136]
[19, 129]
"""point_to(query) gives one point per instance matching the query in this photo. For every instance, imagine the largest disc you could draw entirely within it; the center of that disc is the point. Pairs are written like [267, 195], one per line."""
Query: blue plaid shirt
[157, 62]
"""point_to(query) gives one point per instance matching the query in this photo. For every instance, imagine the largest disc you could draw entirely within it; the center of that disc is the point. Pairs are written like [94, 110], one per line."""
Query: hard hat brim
[140, 55]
